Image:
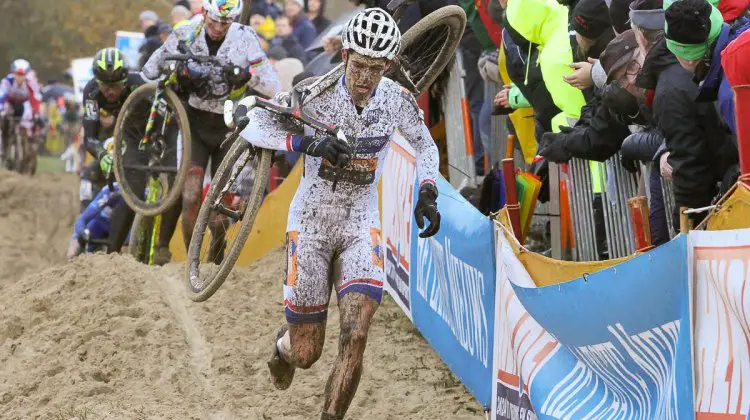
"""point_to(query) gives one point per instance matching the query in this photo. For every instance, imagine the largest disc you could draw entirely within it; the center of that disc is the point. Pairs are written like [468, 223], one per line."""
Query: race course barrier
[659, 335]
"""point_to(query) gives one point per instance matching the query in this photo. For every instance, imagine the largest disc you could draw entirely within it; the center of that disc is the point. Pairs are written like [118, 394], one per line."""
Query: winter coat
[700, 150]
[597, 135]
[715, 86]
[533, 87]
[303, 30]
[545, 23]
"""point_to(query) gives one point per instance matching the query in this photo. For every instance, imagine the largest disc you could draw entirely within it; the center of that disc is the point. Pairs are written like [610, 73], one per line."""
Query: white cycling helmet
[20, 67]
[374, 33]
[222, 10]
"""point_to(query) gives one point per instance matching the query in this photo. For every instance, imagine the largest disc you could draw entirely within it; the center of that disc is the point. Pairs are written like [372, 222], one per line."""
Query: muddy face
[363, 75]
[215, 29]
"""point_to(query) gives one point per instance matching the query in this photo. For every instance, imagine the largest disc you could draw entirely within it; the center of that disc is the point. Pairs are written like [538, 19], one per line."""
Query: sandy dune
[106, 337]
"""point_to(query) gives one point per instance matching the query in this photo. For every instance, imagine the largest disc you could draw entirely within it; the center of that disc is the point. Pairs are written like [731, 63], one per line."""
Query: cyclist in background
[20, 97]
[209, 86]
[103, 97]
[326, 224]
[94, 223]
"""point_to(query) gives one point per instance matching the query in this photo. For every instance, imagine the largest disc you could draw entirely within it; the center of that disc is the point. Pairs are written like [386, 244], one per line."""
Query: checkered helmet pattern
[374, 33]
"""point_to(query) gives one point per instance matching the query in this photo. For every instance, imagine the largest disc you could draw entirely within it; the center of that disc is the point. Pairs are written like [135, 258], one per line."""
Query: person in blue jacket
[696, 34]
[95, 220]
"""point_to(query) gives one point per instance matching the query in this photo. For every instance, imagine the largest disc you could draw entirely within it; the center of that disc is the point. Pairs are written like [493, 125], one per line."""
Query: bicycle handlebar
[293, 111]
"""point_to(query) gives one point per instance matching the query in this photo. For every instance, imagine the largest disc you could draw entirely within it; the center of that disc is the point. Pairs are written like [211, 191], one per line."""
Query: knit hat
[591, 18]
[691, 26]
[620, 52]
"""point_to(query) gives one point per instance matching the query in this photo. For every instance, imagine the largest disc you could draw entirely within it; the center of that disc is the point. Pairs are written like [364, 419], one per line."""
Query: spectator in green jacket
[545, 23]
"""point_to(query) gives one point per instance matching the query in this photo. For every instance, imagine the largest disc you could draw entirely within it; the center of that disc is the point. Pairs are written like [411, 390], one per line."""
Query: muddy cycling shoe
[282, 372]
[162, 256]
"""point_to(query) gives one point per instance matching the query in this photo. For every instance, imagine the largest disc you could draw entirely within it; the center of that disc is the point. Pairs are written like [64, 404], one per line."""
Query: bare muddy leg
[356, 311]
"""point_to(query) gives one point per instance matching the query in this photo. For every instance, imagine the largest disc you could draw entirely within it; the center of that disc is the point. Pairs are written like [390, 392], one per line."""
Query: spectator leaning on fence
[698, 150]
[696, 35]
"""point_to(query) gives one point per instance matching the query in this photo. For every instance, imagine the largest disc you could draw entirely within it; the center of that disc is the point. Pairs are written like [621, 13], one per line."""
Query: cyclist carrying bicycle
[326, 224]
[20, 97]
[209, 86]
[103, 98]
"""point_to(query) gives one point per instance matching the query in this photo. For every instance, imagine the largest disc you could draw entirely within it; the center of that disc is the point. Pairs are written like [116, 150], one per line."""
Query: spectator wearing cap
[302, 29]
[285, 38]
[593, 31]
[316, 10]
[592, 27]
[149, 22]
[180, 16]
[604, 120]
[698, 151]
[696, 34]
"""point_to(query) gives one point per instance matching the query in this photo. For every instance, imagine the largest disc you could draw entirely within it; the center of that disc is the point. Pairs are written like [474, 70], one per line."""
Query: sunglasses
[111, 84]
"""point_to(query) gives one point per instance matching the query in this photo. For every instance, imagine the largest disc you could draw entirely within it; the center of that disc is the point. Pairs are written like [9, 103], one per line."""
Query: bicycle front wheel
[428, 46]
[163, 156]
[18, 152]
[141, 235]
[226, 218]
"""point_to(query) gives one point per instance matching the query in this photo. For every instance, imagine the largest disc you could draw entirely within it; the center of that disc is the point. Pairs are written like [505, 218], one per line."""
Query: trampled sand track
[110, 338]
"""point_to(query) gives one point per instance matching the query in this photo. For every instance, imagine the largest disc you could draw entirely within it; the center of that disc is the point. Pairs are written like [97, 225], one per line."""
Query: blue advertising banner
[129, 43]
[453, 290]
[622, 341]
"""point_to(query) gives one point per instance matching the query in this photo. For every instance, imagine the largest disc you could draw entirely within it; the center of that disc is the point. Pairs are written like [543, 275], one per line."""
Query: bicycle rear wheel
[164, 158]
[428, 46]
[221, 218]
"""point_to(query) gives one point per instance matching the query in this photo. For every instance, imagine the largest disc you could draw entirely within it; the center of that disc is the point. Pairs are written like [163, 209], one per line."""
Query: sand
[105, 337]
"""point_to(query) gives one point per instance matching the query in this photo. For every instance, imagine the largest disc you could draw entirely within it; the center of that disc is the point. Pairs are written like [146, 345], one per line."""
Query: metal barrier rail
[619, 185]
[461, 169]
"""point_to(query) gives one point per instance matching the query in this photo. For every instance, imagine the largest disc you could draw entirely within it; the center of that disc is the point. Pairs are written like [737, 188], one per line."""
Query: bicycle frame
[155, 105]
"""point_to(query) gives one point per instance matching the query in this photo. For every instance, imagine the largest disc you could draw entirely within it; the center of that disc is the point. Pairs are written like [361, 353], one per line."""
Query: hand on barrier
[553, 146]
[427, 208]
[329, 148]
[665, 168]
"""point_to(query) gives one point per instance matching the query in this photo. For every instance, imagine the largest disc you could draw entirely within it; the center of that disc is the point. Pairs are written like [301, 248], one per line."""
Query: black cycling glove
[237, 76]
[427, 208]
[553, 146]
[330, 148]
